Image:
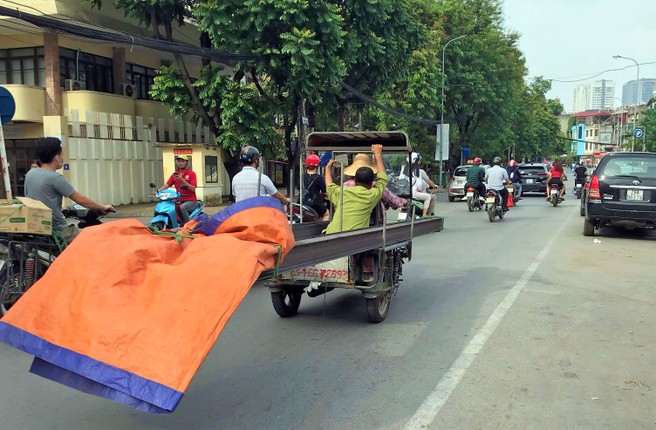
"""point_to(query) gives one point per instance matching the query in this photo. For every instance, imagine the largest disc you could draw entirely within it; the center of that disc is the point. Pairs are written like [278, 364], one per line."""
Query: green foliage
[649, 122]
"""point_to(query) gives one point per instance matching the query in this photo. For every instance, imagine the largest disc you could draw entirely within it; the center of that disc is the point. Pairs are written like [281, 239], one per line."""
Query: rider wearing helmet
[475, 178]
[245, 183]
[184, 181]
[497, 179]
[515, 177]
[314, 187]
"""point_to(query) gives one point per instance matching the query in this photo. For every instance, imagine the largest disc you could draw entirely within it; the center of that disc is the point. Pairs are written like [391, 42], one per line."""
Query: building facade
[95, 98]
[645, 88]
[596, 96]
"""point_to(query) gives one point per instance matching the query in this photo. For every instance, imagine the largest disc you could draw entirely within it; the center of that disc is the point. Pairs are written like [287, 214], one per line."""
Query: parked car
[534, 177]
[622, 192]
[458, 179]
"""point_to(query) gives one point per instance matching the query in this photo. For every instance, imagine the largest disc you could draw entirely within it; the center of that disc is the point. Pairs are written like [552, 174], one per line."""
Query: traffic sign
[7, 106]
[639, 132]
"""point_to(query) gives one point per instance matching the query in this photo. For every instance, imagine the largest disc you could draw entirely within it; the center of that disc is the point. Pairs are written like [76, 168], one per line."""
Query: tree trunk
[341, 117]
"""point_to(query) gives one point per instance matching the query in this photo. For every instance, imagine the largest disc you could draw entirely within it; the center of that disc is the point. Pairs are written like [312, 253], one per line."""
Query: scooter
[309, 214]
[86, 217]
[554, 195]
[493, 205]
[166, 210]
[474, 200]
[578, 188]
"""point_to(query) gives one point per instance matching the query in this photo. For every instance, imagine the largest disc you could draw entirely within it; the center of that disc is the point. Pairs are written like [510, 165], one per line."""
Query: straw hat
[360, 160]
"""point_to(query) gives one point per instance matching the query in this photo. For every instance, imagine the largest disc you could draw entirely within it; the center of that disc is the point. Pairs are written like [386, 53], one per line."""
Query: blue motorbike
[167, 215]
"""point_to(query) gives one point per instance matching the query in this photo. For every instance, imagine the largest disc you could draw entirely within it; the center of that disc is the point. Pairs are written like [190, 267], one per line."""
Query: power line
[117, 37]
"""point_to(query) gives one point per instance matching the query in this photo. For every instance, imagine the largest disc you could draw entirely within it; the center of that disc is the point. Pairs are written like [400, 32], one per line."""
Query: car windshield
[461, 171]
[531, 170]
[641, 167]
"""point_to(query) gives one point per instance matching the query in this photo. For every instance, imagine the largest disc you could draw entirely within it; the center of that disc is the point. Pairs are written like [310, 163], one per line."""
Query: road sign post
[7, 111]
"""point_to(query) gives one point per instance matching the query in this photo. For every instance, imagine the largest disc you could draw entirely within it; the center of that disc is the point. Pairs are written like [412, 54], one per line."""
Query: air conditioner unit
[129, 90]
[74, 85]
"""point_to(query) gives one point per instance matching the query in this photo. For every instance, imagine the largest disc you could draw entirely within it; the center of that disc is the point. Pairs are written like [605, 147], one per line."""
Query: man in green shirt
[475, 177]
[359, 200]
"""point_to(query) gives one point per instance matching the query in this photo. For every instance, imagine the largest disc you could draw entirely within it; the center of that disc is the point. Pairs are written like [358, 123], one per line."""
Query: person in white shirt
[245, 183]
[497, 178]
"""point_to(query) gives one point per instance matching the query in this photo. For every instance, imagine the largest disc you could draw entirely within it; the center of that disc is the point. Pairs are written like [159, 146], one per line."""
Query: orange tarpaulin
[130, 315]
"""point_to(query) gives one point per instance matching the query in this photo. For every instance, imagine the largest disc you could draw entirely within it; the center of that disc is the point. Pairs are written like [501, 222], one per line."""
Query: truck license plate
[634, 194]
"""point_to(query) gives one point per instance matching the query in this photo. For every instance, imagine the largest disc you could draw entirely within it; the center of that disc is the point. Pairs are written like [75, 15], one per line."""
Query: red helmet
[512, 163]
[477, 160]
[312, 160]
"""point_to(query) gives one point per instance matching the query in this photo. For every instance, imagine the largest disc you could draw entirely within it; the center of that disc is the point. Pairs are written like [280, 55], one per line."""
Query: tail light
[452, 179]
[593, 190]
[470, 189]
[451, 190]
[543, 174]
[490, 193]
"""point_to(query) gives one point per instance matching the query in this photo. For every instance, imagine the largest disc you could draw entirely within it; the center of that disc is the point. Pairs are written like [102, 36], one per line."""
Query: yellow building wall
[30, 102]
[97, 102]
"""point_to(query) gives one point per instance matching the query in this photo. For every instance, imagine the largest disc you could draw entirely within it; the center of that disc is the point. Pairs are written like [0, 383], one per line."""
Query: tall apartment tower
[596, 96]
[630, 89]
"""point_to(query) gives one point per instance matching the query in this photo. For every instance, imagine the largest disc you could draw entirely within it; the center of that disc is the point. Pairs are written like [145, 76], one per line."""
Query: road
[523, 323]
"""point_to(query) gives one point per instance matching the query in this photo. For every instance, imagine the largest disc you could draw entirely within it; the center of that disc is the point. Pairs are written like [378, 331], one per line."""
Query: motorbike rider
[184, 180]
[497, 178]
[420, 183]
[315, 187]
[557, 176]
[515, 177]
[245, 183]
[581, 174]
[475, 178]
[46, 185]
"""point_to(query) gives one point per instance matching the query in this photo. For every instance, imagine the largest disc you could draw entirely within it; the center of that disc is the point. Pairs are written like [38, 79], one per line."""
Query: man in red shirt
[184, 180]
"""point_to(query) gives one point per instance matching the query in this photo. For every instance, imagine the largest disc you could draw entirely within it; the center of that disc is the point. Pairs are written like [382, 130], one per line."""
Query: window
[142, 77]
[95, 71]
[24, 66]
[211, 169]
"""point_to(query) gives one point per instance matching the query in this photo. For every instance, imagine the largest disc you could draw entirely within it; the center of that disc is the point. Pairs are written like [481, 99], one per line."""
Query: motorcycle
[309, 214]
[25, 257]
[578, 188]
[554, 195]
[86, 217]
[474, 200]
[167, 213]
[494, 205]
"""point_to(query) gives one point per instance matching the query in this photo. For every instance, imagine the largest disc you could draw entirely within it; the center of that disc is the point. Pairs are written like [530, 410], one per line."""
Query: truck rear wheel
[378, 307]
[286, 302]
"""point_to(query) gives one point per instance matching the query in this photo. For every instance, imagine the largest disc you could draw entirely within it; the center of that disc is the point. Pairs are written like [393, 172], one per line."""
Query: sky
[572, 40]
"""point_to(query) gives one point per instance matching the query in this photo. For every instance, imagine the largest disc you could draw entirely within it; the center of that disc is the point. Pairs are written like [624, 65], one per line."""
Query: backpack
[309, 199]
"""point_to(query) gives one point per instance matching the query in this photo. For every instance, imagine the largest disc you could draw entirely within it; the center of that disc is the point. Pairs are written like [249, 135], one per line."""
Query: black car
[534, 177]
[622, 192]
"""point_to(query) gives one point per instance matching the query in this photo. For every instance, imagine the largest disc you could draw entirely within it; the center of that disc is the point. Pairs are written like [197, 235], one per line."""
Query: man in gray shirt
[497, 178]
[48, 186]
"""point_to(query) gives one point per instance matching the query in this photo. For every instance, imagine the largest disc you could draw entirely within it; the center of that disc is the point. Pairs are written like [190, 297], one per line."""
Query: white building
[596, 96]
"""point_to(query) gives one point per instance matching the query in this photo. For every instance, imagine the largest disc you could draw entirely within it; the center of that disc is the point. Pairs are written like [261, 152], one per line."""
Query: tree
[649, 122]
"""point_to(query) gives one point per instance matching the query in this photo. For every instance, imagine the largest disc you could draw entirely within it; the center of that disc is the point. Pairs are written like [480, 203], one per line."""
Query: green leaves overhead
[390, 50]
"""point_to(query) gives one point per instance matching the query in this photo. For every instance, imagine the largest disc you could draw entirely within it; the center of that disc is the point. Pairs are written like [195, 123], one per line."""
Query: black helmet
[249, 155]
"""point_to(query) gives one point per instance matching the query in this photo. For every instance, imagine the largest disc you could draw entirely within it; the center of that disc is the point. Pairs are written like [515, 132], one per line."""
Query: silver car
[458, 179]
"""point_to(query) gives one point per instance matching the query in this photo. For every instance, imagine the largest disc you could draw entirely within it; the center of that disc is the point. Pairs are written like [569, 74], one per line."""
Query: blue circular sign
[7, 106]
[638, 132]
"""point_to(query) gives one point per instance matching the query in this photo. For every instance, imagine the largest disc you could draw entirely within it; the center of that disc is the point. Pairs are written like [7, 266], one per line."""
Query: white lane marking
[444, 388]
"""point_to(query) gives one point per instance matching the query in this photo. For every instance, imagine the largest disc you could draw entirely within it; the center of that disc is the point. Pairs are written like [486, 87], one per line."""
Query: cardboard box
[28, 216]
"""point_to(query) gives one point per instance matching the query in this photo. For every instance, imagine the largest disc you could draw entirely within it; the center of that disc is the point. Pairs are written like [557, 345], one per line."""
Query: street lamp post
[635, 111]
[438, 138]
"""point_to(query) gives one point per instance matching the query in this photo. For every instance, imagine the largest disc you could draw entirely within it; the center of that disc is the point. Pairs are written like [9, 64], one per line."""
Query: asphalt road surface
[521, 323]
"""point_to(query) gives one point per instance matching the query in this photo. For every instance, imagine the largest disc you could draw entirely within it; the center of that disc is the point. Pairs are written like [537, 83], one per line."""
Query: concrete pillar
[118, 67]
[57, 126]
[53, 80]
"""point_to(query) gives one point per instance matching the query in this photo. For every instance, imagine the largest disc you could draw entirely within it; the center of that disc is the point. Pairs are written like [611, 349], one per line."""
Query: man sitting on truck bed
[359, 200]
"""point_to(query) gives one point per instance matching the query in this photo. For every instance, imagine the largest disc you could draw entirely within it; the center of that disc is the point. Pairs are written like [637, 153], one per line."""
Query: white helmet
[414, 157]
